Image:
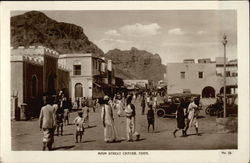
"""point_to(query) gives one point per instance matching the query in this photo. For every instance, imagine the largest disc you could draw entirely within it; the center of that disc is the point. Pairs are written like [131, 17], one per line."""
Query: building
[204, 77]
[131, 84]
[91, 76]
[35, 72]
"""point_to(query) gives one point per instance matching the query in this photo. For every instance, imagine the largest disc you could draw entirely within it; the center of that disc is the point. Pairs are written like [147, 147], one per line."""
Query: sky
[173, 34]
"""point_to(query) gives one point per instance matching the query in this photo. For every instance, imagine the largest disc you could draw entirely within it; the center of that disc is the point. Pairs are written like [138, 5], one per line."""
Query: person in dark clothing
[151, 117]
[65, 108]
[59, 121]
[143, 103]
[180, 116]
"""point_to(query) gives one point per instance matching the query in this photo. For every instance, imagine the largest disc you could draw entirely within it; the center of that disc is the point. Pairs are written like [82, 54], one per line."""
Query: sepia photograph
[124, 82]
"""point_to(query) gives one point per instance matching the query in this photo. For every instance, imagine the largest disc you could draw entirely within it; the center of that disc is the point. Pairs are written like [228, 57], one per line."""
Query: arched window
[34, 86]
[208, 92]
[78, 90]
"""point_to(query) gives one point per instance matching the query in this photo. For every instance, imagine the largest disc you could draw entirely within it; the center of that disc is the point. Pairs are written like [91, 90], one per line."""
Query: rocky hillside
[35, 28]
[137, 64]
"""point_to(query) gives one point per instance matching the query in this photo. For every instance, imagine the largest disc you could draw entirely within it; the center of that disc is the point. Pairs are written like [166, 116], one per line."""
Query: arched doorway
[208, 92]
[228, 90]
[78, 90]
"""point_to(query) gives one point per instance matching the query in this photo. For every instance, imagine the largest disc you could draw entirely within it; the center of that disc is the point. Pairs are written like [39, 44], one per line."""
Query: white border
[240, 155]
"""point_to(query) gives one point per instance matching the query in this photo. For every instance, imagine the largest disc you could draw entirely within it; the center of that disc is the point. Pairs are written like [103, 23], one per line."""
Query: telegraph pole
[224, 77]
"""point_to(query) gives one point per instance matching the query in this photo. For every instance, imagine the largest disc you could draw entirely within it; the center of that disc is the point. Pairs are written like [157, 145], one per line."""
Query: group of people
[187, 116]
[55, 115]
[107, 116]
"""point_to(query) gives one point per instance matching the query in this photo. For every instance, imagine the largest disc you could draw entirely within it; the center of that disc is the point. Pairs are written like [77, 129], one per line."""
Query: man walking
[47, 124]
[130, 116]
[192, 111]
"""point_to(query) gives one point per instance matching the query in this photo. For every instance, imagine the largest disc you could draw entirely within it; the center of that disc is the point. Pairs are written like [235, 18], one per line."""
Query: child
[79, 126]
[59, 122]
[151, 117]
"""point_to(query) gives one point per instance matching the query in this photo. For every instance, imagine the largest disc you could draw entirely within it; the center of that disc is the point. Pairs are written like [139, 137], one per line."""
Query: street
[26, 135]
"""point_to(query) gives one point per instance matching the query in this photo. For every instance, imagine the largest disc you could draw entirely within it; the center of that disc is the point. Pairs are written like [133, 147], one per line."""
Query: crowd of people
[54, 116]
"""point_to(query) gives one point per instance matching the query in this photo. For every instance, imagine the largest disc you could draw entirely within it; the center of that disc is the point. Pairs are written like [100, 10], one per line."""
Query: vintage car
[216, 109]
[172, 101]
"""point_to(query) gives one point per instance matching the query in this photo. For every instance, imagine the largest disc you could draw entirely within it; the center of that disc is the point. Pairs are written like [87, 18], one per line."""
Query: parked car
[217, 109]
[169, 106]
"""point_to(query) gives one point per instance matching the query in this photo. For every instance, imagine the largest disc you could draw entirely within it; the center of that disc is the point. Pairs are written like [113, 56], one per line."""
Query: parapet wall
[34, 51]
[32, 54]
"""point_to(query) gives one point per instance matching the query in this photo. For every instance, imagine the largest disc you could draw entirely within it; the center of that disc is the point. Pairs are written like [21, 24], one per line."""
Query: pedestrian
[79, 122]
[59, 121]
[65, 107]
[85, 110]
[192, 111]
[47, 123]
[154, 101]
[97, 104]
[107, 117]
[180, 117]
[130, 116]
[143, 105]
[148, 100]
[151, 118]
[119, 106]
[78, 102]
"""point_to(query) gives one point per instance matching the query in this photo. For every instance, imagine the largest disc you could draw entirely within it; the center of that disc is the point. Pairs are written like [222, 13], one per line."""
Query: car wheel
[207, 111]
[160, 113]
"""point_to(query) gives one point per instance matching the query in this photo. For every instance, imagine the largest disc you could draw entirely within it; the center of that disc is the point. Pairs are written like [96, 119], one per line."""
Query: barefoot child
[79, 126]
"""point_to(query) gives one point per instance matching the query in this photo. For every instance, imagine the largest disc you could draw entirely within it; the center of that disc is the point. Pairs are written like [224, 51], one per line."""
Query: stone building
[35, 72]
[204, 78]
[91, 76]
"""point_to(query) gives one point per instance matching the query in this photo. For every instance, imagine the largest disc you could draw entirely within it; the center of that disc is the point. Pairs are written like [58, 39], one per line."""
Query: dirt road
[26, 135]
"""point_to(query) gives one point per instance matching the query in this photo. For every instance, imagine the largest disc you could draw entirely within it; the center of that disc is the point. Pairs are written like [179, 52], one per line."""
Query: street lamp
[224, 42]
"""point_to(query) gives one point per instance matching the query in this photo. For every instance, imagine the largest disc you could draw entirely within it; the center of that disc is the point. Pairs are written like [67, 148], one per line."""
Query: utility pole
[224, 77]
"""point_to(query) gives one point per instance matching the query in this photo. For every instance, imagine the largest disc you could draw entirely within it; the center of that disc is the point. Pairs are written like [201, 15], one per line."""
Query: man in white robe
[107, 116]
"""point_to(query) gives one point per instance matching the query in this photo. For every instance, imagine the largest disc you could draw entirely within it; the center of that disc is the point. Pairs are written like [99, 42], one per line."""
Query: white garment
[79, 121]
[192, 114]
[110, 133]
[130, 127]
[119, 107]
[130, 122]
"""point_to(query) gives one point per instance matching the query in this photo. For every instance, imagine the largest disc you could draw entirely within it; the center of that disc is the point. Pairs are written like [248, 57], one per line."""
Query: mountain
[138, 64]
[35, 28]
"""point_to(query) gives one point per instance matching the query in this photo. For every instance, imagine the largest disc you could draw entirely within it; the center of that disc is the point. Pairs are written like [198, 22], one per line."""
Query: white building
[85, 68]
[204, 77]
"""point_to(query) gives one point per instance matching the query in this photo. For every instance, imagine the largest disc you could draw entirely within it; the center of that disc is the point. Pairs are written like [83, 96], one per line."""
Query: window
[182, 75]
[200, 74]
[234, 74]
[227, 73]
[77, 69]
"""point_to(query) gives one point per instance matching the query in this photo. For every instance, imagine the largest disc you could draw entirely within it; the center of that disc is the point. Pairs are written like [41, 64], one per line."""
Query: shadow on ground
[64, 147]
